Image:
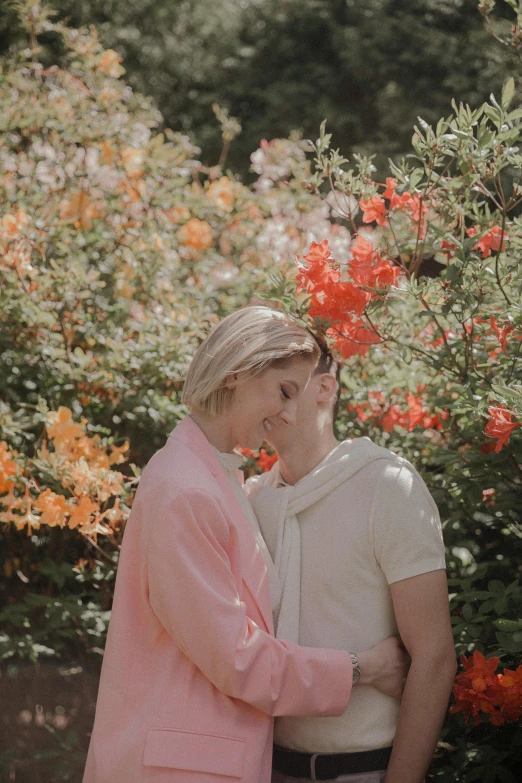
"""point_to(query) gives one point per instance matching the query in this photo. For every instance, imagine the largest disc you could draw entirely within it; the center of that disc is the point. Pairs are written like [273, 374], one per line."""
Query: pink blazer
[192, 672]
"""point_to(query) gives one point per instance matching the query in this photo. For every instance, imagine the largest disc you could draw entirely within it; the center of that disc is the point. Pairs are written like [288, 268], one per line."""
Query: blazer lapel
[253, 566]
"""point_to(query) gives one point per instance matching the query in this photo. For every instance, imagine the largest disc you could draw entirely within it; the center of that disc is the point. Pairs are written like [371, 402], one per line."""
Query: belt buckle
[312, 765]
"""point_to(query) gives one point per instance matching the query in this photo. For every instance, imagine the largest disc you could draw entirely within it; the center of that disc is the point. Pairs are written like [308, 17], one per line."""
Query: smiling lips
[267, 425]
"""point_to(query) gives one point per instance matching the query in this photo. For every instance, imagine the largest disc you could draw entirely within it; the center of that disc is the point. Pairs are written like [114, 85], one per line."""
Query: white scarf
[277, 508]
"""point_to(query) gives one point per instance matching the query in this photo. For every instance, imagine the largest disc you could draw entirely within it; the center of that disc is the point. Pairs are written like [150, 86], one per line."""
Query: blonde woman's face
[268, 401]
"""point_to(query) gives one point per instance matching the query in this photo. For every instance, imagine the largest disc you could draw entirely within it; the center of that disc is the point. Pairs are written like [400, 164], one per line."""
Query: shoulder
[394, 478]
[176, 470]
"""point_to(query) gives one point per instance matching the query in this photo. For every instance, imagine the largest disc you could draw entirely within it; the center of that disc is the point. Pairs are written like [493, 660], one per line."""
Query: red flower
[265, 460]
[374, 209]
[317, 273]
[500, 426]
[391, 184]
[448, 249]
[478, 689]
[490, 241]
[488, 496]
[394, 415]
[403, 202]
[415, 411]
[262, 459]
[501, 333]
[368, 268]
[354, 338]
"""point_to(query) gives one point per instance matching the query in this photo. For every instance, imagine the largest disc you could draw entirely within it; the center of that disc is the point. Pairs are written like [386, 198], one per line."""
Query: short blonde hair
[248, 341]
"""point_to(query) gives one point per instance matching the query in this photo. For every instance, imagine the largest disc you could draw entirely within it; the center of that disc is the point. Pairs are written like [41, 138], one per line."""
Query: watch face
[356, 674]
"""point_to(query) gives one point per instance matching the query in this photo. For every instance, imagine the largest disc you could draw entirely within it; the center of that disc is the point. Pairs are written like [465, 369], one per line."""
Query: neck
[302, 455]
[215, 429]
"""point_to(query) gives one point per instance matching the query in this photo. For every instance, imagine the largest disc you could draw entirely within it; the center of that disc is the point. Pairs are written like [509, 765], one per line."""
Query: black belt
[328, 766]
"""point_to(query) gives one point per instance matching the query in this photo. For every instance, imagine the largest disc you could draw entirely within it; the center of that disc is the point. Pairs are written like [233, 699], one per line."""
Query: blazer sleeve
[193, 592]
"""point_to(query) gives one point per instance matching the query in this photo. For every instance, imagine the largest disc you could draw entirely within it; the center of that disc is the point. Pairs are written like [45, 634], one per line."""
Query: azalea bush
[118, 250]
[425, 309]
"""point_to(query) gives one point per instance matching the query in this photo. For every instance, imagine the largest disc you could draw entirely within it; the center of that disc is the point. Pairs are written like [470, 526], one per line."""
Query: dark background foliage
[370, 67]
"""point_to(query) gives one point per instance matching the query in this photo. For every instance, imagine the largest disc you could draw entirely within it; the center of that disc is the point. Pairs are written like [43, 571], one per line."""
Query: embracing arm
[193, 592]
[421, 609]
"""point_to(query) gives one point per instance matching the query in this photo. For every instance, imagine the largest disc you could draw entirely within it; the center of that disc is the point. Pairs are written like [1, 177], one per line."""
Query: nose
[288, 413]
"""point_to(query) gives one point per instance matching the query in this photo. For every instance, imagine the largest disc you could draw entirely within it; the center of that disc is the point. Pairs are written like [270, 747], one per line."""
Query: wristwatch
[356, 672]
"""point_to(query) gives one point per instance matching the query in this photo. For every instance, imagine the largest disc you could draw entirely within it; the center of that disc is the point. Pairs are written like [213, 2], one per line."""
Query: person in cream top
[356, 539]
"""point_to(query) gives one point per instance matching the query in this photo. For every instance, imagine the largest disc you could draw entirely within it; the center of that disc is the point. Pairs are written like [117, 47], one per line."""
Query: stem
[497, 274]
[461, 371]
[514, 364]
[98, 549]
[224, 153]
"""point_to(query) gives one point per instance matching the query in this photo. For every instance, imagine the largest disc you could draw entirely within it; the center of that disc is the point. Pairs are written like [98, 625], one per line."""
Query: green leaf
[508, 92]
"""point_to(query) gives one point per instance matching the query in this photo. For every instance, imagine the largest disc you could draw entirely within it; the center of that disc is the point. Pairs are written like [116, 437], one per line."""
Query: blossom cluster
[263, 461]
[481, 693]
[341, 292]
[407, 410]
[92, 495]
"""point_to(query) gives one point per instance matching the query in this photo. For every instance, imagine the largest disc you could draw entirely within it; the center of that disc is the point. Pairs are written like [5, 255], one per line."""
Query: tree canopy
[280, 65]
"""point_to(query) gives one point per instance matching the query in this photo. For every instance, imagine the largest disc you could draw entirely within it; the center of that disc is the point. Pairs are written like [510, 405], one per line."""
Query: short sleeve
[405, 523]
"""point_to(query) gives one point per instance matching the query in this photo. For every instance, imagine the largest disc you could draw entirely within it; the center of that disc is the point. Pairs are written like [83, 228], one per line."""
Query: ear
[231, 381]
[327, 387]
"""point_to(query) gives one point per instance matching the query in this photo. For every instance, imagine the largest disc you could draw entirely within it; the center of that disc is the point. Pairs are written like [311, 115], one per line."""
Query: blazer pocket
[196, 752]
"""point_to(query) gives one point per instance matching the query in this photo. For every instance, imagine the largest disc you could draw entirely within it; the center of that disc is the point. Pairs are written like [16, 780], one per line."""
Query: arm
[421, 609]
[193, 592]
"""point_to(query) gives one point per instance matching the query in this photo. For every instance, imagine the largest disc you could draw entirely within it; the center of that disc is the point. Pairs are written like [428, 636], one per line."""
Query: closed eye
[285, 394]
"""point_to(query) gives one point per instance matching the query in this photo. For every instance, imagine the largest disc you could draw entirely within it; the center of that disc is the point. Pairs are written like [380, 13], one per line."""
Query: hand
[385, 667]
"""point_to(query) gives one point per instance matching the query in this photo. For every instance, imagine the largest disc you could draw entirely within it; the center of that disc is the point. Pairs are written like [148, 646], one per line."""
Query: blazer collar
[195, 439]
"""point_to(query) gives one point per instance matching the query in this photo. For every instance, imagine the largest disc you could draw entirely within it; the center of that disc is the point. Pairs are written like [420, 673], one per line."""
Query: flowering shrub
[118, 249]
[92, 494]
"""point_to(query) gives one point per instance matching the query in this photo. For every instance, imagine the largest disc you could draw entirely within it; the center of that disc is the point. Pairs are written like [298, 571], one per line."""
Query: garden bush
[118, 249]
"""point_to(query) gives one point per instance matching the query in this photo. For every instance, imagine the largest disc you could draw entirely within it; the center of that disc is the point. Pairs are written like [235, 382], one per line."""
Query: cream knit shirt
[377, 527]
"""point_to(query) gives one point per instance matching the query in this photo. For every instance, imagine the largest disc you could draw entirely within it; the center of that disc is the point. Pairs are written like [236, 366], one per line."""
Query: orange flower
[53, 508]
[222, 193]
[374, 209]
[81, 512]
[116, 454]
[61, 428]
[109, 64]
[500, 426]
[132, 159]
[107, 153]
[196, 234]
[11, 225]
[78, 209]
[8, 469]
[178, 214]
